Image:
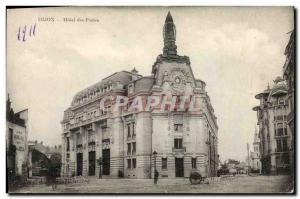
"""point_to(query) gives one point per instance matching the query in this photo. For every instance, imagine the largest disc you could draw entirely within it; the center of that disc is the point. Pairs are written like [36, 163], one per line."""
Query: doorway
[179, 172]
[106, 161]
[79, 164]
[92, 163]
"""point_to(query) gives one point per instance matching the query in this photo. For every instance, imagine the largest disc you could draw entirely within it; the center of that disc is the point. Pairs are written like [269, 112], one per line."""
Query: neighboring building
[289, 76]
[16, 141]
[39, 157]
[274, 135]
[125, 139]
[255, 163]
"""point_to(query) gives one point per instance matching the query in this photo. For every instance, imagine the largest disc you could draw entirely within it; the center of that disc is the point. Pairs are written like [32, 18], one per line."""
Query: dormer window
[130, 88]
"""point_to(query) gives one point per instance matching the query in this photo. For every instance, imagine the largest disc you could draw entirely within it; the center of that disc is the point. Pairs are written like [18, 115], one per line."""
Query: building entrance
[79, 159]
[179, 167]
[106, 161]
[92, 163]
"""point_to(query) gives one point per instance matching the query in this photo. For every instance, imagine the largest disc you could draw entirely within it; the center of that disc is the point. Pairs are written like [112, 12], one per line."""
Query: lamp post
[154, 156]
[100, 165]
[248, 158]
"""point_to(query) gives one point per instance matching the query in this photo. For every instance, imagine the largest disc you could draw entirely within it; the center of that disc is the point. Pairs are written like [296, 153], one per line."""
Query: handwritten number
[19, 33]
[23, 32]
[33, 32]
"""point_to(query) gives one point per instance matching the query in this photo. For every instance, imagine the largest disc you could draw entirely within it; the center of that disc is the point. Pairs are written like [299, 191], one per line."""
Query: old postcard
[150, 100]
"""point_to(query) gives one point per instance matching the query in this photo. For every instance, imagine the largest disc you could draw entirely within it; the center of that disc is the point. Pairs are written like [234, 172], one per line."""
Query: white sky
[236, 51]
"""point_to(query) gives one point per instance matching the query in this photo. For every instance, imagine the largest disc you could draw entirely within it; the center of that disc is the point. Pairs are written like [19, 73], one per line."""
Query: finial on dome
[134, 71]
[169, 17]
[169, 34]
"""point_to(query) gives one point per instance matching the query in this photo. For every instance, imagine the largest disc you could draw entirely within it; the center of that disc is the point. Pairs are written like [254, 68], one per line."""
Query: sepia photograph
[150, 100]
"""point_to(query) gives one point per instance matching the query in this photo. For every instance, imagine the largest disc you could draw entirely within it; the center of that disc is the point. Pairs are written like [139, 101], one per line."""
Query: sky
[237, 51]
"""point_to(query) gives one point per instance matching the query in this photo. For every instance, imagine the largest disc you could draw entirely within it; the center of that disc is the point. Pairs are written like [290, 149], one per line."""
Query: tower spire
[169, 34]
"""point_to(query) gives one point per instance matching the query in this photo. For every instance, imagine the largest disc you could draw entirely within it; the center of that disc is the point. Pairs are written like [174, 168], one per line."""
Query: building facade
[103, 139]
[39, 156]
[289, 76]
[16, 141]
[255, 163]
[274, 134]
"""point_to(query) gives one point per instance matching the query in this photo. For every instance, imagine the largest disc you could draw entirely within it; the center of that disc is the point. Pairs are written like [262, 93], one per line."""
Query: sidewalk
[245, 184]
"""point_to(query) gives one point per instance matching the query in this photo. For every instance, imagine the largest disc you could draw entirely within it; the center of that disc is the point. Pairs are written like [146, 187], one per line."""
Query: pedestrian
[156, 174]
[52, 176]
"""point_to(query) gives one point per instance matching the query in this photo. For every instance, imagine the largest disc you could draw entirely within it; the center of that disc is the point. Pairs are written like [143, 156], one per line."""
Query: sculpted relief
[177, 82]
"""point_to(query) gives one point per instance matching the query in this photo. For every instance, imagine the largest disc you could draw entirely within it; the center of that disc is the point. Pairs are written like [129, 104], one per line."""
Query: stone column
[116, 146]
[63, 157]
[85, 151]
[73, 160]
[98, 137]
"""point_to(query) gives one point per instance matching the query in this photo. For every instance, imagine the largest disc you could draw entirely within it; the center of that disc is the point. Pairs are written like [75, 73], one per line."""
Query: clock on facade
[177, 81]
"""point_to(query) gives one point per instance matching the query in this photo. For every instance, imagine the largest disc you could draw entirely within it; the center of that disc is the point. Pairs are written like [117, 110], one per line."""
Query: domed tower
[169, 34]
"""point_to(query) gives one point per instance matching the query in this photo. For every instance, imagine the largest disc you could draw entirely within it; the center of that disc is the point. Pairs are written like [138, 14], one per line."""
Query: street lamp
[100, 164]
[154, 156]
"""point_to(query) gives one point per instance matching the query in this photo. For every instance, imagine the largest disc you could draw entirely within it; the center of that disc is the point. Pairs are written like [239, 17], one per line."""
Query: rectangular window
[128, 148]
[133, 163]
[79, 139]
[129, 163]
[128, 130]
[278, 143]
[284, 145]
[133, 129]
[279, 130]
[285, 130]
[11, 136]
[194, 164]
[133, 147]
[178, 143]
[164, 163]
[178, 127]
[68, 144]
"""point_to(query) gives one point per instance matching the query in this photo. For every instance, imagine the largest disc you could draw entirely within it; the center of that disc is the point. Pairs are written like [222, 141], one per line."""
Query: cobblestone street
[242, 184]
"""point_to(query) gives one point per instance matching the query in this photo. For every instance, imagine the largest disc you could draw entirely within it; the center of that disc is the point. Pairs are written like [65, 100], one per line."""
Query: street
[239, 184]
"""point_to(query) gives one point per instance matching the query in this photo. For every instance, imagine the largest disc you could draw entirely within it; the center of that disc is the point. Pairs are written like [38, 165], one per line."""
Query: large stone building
[289, 76]
[16, 141]
[274, 134]
[131, 143]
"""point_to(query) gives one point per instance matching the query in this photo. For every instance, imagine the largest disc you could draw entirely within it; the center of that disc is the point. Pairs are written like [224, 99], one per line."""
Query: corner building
[274, 134]
[124, 140]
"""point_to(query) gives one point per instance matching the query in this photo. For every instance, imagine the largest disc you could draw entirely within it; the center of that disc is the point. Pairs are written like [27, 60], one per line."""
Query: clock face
[177, 81]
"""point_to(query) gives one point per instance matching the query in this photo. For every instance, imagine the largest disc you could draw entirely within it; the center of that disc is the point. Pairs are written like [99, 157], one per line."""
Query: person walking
[156, 174]
[52, 176]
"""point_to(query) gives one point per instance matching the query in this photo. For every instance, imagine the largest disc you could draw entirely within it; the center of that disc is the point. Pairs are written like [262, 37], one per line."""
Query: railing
[88, 121]
[179, 150]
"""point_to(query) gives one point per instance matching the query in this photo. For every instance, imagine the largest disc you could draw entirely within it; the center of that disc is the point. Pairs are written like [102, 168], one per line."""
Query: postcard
[150, 100]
